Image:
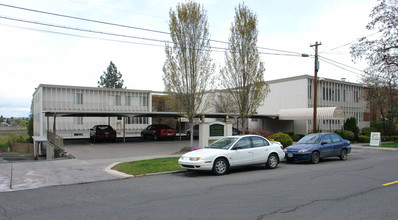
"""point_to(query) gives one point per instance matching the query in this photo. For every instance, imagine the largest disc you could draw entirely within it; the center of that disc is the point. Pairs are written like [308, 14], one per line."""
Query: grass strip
[149, 166]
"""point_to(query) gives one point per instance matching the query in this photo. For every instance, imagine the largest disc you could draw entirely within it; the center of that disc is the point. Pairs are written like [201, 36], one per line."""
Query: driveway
[84, 150]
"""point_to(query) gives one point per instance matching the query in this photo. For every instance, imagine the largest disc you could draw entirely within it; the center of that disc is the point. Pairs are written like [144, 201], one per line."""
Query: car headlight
[194, 158]
[285, 150]
[303, 150]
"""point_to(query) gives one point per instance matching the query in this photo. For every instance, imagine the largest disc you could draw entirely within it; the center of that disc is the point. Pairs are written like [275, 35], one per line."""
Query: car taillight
[163, 131]
[281, 147]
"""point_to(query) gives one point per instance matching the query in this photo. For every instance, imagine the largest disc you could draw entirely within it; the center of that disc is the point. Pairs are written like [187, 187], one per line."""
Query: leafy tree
[242, 75]
[188, 69]
[111, 78]
[381, 54]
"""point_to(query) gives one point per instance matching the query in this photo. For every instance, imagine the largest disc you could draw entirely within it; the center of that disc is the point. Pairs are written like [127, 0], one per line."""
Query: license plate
[289, 155]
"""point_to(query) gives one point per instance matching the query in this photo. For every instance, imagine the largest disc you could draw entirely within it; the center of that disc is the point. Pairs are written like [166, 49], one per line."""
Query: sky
[40, 48]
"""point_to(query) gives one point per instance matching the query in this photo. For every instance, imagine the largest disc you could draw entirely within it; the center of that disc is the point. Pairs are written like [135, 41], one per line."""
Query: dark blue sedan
[315, 146]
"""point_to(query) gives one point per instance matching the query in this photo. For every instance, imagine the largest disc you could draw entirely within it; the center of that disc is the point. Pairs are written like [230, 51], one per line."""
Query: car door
[326, 147]
[148, 131]
[242, 152]
[338, 144]
[260, 149]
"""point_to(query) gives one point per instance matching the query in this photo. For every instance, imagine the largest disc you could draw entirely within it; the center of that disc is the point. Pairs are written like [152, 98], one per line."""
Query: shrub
[297, 137]
[284, 139]
[351, 125]
[367, 130]
[258, 131]
[394, 138]
[349, 135]
[364, 139]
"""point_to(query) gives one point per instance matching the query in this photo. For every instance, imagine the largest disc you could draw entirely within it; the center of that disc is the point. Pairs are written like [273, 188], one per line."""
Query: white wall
[285, 94]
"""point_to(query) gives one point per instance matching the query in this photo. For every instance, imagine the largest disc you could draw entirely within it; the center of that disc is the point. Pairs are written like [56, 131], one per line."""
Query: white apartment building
[77, 109]
[74, 110]
[298, 93]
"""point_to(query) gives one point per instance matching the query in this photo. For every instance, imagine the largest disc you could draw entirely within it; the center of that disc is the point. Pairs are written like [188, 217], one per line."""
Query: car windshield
[223, 143]
[310, 139]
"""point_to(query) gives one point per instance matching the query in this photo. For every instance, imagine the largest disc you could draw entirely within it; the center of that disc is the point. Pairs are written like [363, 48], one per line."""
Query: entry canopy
[307, 113]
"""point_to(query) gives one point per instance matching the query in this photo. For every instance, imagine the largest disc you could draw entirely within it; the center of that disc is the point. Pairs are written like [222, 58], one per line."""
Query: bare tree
[242, 75]
[381, 54]
[188, 69]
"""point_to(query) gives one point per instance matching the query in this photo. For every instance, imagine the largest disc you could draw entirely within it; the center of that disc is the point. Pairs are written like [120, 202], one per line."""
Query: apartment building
[74, 110]
[298, 93]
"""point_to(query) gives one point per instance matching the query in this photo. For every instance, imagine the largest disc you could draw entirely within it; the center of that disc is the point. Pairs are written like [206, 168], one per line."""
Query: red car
[104, 132]
[158, 131]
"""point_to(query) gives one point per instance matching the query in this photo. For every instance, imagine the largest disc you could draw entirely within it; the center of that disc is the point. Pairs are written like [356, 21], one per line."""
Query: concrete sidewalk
[35, 174]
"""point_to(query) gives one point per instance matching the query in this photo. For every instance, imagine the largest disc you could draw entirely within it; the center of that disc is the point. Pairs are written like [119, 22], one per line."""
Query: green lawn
[393, 145]
[149, 166]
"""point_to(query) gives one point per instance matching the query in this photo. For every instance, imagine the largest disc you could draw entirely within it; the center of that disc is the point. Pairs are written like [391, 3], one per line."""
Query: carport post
[124, 129]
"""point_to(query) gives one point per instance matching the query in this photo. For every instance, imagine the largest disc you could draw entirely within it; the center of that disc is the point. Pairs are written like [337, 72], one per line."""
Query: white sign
[375, 139]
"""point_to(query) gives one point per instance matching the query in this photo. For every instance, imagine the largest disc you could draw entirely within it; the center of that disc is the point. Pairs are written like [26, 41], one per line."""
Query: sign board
[375, 139]
[216, 130]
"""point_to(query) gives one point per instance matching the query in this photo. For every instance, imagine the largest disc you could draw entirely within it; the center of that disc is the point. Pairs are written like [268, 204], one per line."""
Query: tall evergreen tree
[111, 78]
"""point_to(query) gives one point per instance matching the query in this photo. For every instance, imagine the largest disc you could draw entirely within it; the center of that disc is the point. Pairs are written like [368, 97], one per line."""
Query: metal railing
[55, 139]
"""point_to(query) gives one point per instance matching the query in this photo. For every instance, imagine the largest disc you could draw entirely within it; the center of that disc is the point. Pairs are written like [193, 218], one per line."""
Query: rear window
[104, 127]
[163, 126]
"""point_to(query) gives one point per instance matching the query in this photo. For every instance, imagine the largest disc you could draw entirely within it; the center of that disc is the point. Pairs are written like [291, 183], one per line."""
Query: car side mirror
[324, 142]
[236, 148]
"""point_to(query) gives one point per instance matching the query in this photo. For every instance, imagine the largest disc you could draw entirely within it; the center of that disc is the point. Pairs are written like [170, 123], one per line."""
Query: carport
[123, 115]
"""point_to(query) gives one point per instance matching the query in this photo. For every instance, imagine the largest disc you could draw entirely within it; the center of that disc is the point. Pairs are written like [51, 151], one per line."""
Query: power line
[336, 65]
[324, 58]
[81, 36]
[130, 27]
[213, 49]
[346, 44]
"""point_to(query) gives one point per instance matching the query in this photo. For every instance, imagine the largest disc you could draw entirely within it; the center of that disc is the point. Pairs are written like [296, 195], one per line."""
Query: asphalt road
[332, 189]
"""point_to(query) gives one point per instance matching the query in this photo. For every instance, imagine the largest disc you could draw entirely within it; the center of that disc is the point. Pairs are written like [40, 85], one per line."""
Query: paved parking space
[84, 150]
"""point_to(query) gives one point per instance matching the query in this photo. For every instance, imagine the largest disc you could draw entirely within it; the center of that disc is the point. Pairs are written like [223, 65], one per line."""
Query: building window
[137, 100]
[78, 120]
[115, 100]
[78, 98]
[137, 120]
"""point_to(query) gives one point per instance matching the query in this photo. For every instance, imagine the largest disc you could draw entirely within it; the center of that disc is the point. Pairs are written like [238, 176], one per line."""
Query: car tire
[315, 157]
[155, 137]
[343, 154]
[272, 161]
[220, 166]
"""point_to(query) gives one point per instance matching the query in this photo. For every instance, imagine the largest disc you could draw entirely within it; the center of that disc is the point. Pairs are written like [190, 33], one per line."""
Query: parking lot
[134, 147]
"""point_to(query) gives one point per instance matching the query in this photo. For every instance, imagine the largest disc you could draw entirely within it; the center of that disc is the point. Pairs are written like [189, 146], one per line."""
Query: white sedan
[232, 151]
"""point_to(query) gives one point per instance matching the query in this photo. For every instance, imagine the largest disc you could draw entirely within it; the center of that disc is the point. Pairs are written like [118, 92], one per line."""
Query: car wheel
[315, 157]
[272, 161]
[220, 166]
[343, 154]
[155, 137]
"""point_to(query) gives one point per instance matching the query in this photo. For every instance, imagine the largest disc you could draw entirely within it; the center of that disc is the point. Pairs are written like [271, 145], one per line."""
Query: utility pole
[316, 68]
